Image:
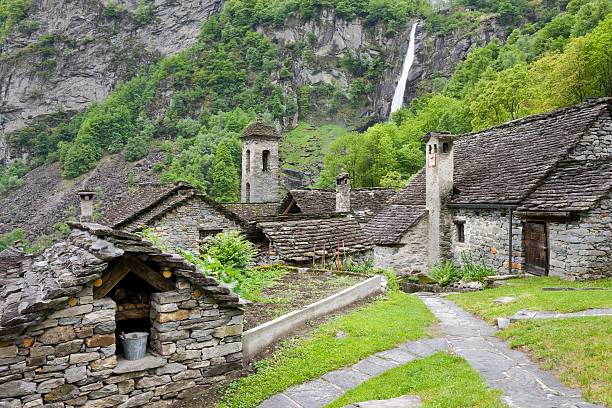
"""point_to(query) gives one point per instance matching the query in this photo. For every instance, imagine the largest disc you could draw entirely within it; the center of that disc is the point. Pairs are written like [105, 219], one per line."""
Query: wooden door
[536, 248]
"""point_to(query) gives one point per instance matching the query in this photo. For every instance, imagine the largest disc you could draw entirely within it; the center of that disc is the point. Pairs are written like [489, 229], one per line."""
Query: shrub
[135, 149]
[230, 249]
[226, 257]
[445, 273]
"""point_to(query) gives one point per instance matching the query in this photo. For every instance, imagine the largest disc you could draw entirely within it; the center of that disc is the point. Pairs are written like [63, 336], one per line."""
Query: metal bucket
[134, 345]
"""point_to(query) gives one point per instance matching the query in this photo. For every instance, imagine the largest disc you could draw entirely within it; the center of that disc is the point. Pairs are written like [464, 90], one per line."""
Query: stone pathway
[320, 392]
[522, 382]
[524, 385]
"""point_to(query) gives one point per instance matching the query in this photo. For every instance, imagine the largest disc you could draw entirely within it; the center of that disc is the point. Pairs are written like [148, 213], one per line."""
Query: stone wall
[486, 236]
[69, 359]
[410, 256]
[181, 227]
[582, 249]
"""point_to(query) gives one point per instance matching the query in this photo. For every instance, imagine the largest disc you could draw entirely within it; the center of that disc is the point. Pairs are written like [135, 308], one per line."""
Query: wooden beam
[110, 278]
[143, 313]
[155, 279]
[289, 207]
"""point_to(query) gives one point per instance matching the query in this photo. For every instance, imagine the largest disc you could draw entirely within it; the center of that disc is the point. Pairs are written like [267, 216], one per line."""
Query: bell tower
[259, 182]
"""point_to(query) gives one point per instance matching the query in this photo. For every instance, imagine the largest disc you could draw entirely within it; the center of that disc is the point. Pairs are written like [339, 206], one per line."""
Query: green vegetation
[376, 327]
[229, 258]
[440, 380]
[529, 295]
[10, 238]
[449, 272]
[11, 177]
[11, 13]
[576, 350]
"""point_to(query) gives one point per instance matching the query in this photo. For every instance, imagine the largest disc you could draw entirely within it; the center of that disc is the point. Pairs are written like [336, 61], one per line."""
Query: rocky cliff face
[67, 53]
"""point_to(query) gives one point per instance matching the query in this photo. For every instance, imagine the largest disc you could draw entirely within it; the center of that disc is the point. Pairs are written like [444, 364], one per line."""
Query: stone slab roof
[401, 213]
[61, 271]
[259, 128]
[505, 163]
[297, 238]
[250, 211]
[365, 202]
[573, 186]
[150, 201]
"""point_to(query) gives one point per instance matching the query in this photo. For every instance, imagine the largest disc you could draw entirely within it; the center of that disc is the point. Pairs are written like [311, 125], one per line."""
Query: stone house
[177, 213]
[61, 315]
[531, 195]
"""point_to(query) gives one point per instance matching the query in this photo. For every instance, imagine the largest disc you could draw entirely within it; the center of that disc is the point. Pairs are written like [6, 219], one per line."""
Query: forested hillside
[319, 70]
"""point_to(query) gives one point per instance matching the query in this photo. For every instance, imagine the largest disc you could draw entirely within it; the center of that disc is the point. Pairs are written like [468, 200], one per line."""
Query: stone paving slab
[405, 401]
[313, 394]
[345, 379]
[533, 314]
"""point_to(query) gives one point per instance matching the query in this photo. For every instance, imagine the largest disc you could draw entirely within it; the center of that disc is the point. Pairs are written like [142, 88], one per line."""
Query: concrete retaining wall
[258, 338]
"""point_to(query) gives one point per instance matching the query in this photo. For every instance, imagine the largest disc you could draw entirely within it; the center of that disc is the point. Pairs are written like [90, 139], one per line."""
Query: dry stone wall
[410, 256]
[582, 249]
[70, 358]
[486, 236]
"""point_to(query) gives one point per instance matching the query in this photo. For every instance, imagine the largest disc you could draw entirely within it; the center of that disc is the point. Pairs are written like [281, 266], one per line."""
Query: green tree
[597, 52]
[81, 157]
[225, 181]
[136, 148]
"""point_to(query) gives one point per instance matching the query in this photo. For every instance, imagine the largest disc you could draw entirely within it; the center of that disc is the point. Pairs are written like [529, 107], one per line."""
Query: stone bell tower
[259, 163]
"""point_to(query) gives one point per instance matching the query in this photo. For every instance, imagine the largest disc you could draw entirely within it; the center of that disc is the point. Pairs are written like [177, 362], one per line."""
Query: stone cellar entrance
[130, 283]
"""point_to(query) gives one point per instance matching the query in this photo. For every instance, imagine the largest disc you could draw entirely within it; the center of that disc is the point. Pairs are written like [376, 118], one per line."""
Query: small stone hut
[178, 213]
[532, 195]
[62, 312]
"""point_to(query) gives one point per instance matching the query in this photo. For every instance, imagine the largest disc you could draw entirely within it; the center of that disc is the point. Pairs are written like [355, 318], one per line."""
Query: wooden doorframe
[529, 267]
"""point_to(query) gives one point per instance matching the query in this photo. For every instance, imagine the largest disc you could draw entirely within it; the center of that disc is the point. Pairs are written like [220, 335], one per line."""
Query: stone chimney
[19, 245]
[439, 187]
[343, 193]
[86, 205]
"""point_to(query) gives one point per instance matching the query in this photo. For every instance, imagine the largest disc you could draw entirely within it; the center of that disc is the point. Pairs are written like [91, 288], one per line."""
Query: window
[460, 231]
[248, 161]
[265, 160]
[247, 197]
[445, 148]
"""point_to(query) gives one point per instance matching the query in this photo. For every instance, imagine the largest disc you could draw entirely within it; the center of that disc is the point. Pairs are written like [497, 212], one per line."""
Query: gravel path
[524, 385]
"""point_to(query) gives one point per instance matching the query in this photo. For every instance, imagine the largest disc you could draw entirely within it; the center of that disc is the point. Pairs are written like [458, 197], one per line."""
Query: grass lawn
[529, 295]
[379, 326]
[440, 380]
[577, 350]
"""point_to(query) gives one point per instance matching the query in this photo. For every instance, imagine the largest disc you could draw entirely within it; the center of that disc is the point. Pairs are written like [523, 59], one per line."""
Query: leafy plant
[445, 273]
[472, 272]
[230, 249]
[365, 267]
[392, 279]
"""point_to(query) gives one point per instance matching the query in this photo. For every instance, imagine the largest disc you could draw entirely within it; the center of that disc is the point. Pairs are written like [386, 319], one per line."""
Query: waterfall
[398, 95]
